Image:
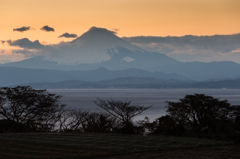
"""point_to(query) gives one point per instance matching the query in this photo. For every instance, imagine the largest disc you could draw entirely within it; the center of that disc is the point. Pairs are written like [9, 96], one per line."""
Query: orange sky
[131, 17]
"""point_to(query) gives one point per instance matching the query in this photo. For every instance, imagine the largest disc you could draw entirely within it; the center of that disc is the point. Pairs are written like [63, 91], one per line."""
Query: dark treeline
[23, 109]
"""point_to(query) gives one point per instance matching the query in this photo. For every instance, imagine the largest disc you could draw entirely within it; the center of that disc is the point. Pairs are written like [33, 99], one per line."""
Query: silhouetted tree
[166, 125]
[32, 108]
[200, 114]
[7, 126]
[73, 120]
[86, 121]
[123, 111]
[145, 127]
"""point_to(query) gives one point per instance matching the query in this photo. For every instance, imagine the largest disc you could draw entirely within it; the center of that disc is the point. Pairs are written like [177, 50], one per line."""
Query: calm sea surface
[83, 98]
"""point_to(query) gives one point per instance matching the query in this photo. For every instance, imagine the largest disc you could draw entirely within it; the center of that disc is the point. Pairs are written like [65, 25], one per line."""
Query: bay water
[83, 98]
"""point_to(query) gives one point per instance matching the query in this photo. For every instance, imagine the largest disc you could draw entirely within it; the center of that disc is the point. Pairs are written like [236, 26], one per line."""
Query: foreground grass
[86, 145]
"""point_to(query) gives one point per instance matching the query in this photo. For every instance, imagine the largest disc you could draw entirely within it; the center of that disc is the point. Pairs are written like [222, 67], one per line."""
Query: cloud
[67, 35]
[8, 56]
[216, 43]
[184, 48]
[27, 53]
[22, 29]
[47, 28]
[3, 42]
[26, 44]
[237, 50]
[128, 59]
[189, 47]
[22, 49]
[115, 31]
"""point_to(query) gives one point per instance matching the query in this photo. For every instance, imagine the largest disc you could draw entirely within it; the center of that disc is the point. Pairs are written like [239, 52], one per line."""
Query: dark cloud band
[47, 28]
[215, 43]
[26, 44]
[22, 29]
[67, 35]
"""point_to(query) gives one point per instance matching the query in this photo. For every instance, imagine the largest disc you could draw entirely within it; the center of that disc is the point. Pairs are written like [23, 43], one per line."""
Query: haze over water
[83, 98]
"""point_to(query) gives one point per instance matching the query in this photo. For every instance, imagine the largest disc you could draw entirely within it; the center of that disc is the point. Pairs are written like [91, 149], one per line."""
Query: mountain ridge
[14, 75]
[137, 82]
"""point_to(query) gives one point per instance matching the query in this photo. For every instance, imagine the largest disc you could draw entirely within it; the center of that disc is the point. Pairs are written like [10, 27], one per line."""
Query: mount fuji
[101, 48]
[98, 47]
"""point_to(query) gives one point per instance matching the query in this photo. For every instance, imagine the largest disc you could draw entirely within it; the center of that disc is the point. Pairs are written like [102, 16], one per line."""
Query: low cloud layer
[67, 35]
[192, 48]
[185, 48]
[22, 29]
[26, 44]
[8, 56]
[27, 53]
[47, 28]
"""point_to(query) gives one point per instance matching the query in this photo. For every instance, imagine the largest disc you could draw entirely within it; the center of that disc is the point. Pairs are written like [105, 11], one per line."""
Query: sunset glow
[51, 22]
[132, 18]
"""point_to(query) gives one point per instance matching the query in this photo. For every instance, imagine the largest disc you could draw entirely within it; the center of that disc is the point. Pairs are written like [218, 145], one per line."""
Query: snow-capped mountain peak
[98, 47]
[94, 46]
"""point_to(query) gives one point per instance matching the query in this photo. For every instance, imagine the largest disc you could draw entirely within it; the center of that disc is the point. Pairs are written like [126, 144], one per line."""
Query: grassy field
[87, 145]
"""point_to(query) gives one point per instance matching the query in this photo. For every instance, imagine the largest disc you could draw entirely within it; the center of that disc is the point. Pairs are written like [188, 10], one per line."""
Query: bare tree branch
[123, 111]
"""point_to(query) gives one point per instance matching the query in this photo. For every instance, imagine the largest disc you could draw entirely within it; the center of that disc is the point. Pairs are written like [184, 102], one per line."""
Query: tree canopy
[202, 114]
[37, 109]
[122, 110]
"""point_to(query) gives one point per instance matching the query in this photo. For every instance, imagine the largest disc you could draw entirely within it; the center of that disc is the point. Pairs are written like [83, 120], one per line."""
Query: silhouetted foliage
[35, 109]
[23, 109]
[144, 126]
[166, 125]
[78, 120]
[201, 115]
[98, 122]
[123, 111]
[9, 126]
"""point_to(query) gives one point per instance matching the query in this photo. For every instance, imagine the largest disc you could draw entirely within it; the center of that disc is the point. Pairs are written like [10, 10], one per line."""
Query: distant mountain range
[15, 76]
[126, 82]
[201, 71]
[100, 55]
[223, 84]
[137, 82]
